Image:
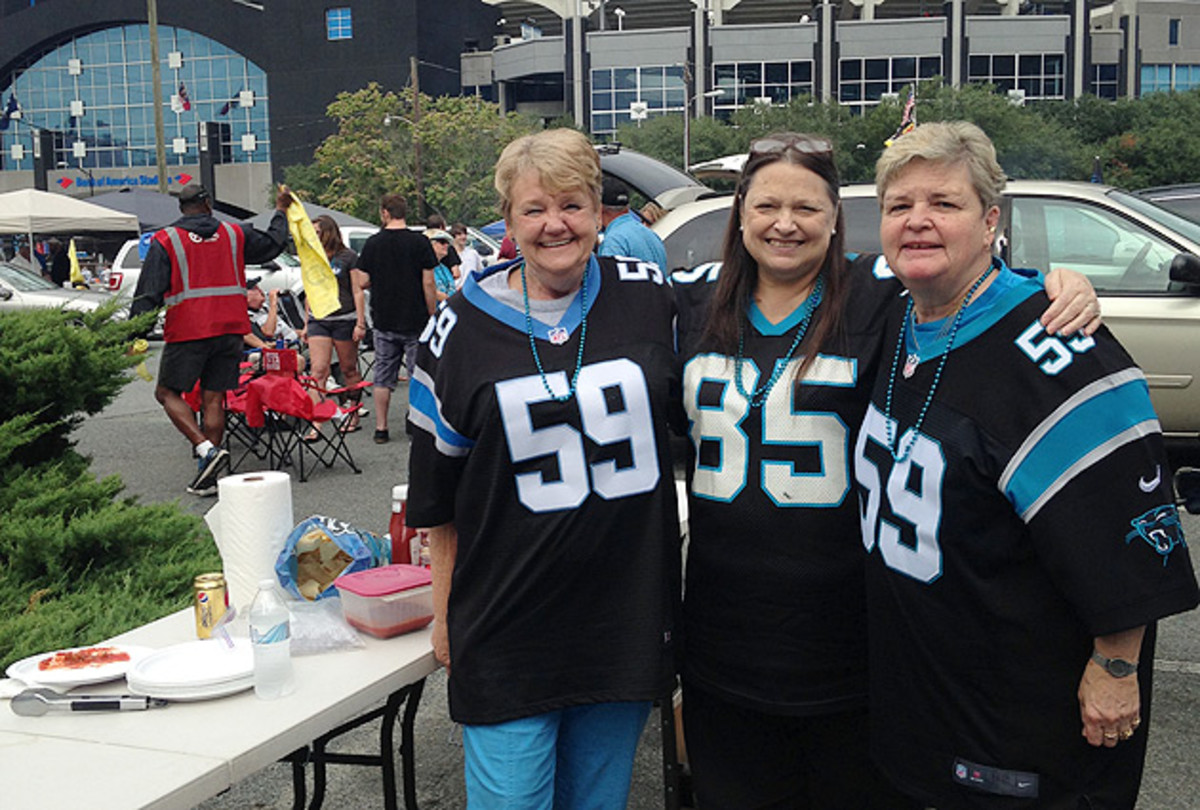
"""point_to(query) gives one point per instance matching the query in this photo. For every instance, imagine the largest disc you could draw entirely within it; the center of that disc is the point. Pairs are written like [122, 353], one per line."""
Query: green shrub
[78, 563]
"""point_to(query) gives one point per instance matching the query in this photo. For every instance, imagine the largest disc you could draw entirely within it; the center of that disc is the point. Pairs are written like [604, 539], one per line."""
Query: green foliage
[54, 365]
[375, 152]
[77, 563]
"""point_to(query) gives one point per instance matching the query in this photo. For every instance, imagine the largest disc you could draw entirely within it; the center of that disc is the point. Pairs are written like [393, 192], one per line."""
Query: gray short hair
[945, 142]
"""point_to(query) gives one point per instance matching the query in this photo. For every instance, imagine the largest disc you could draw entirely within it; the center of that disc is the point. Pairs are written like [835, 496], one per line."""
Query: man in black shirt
[396, 264]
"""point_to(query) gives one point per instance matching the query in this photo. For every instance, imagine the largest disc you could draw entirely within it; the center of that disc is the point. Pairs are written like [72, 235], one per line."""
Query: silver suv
[1143, 260]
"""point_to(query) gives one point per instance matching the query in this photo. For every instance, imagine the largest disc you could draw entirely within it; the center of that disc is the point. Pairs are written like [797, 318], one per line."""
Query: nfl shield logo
[559, 336]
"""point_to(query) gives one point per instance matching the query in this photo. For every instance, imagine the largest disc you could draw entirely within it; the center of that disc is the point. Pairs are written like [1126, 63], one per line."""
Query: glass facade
[339, 24]
[1163, 78]
[1040, 75]
[744, 83]
[96, 94]
[863, 82]
[661, 88]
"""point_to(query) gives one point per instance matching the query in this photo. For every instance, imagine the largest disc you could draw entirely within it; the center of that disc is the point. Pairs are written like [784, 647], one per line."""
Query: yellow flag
[320, 284]
[77, 279]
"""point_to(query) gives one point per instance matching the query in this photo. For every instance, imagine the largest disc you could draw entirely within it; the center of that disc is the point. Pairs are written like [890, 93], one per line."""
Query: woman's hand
[441, 644]
[1074, 306]
[1110, 707]
[360, 332]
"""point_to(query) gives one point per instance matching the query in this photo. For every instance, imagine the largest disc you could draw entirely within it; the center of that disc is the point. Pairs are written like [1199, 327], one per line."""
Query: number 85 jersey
[567, 573]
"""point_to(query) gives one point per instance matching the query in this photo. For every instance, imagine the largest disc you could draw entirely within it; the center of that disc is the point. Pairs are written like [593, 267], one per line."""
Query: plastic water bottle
[271, 637]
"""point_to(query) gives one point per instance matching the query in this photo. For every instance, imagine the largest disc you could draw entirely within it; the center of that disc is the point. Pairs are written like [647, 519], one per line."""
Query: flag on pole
[320, 284]
[77, 279]
[909, 121]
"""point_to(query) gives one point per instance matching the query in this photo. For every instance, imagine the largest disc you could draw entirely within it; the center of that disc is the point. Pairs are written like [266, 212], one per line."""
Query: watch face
[1121, 668]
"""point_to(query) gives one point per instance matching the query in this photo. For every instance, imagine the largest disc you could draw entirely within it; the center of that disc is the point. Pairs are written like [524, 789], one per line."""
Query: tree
[373, 153]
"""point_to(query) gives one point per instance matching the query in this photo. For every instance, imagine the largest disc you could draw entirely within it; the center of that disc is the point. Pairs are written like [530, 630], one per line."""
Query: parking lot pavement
[133, 438]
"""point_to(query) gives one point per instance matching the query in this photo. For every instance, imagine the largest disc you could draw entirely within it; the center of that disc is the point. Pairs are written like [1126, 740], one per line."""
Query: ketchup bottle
[402, 535]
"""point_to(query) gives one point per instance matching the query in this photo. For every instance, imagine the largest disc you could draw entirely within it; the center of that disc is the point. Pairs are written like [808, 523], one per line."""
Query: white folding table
[178, 756]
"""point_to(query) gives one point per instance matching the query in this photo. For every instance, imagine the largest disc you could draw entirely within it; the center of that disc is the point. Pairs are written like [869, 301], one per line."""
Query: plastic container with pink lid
[387, 601]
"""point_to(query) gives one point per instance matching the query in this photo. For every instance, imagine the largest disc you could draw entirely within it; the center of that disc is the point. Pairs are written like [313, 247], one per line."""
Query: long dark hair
[730, 304]
[330, 235]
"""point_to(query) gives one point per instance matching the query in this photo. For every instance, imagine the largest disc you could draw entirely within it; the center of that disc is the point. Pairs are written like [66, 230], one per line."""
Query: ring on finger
[1110, 735]
[1127, 734]
[1137, 721]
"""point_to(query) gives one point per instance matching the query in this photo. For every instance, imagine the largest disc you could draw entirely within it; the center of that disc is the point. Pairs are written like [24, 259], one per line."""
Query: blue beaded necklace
[583, 308]
[900, 454]
[759, 395]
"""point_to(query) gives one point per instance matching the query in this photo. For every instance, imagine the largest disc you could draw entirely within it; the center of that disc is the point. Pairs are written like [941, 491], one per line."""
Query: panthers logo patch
[1160, 528]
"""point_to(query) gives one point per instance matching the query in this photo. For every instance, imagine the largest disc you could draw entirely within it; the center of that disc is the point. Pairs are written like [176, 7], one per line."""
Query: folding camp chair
[279, 402]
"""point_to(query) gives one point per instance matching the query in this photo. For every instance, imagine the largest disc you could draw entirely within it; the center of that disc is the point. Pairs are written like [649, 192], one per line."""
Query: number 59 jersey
[1031, 512]
[567, 576]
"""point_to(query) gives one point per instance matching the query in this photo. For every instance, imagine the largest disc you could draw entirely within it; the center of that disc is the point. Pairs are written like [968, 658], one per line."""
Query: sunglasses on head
[803, 144]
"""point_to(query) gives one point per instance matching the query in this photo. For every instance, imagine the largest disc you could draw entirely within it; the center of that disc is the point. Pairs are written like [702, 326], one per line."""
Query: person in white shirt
[470, 258]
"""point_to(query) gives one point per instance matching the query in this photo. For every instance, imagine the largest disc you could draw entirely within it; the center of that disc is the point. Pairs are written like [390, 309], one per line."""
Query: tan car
[1143, 260]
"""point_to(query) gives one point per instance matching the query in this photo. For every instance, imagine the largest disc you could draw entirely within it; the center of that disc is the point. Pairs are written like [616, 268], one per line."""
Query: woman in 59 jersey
[540, 462]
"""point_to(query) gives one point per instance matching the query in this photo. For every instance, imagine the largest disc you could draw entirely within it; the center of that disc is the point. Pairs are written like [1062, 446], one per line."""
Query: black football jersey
[1030, 512]
[566, 583]
[775, 610]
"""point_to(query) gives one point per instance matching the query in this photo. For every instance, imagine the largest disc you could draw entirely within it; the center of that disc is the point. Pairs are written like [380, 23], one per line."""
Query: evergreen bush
[78, 563]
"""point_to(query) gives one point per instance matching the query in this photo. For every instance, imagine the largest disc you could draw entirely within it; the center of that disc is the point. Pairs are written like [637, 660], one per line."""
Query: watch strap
[1117, 667]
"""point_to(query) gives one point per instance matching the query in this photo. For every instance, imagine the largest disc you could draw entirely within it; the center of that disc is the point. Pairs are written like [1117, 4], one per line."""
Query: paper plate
[189, 693]
[26, 669]
[194, 665]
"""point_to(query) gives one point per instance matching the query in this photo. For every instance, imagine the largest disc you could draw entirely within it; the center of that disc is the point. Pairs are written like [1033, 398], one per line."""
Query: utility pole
[416, 85]
[160, 142]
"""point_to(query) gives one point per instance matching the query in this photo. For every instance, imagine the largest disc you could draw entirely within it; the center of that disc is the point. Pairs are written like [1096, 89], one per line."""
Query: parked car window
[1115, 253]
[698, 240]
[22, 280]
[862, 224]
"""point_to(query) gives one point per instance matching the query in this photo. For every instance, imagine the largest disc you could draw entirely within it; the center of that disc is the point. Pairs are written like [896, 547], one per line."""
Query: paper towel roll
[250, 523]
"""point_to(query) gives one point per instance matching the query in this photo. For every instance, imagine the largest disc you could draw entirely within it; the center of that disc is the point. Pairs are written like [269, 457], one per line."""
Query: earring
[833, 232]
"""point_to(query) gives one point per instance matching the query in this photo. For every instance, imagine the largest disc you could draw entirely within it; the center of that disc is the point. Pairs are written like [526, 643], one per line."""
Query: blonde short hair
[945, 142]
[564, 160]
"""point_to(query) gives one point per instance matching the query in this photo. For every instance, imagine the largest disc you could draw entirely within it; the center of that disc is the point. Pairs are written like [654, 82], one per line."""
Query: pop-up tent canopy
[153, 209]
[30, 211]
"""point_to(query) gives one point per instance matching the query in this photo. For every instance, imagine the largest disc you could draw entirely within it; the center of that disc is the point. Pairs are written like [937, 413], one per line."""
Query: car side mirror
[1185, 269]
[483, 249]
[5, 294]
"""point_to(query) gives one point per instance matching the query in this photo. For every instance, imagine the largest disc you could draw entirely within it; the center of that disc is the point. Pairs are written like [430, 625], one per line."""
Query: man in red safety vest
[197, 267]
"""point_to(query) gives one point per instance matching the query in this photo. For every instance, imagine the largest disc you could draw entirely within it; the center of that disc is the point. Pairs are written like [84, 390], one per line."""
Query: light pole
[687, 125]
[619, 13]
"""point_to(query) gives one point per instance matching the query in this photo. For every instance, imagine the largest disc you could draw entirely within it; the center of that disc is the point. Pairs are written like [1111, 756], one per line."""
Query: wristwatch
[1117, 667]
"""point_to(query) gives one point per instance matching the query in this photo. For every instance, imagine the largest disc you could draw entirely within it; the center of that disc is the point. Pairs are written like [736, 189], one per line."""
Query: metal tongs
[38, 701]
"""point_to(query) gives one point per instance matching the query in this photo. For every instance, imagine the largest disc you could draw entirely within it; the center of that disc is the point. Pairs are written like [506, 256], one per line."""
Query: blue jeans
[580, 758]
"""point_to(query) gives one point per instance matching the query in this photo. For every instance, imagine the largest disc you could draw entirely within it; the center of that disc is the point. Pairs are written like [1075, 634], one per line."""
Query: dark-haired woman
[780, 354]
[343, 328]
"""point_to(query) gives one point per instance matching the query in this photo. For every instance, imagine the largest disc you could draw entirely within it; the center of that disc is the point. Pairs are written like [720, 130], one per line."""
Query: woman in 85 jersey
[540, 463]
[1018, 514]
[780, 354]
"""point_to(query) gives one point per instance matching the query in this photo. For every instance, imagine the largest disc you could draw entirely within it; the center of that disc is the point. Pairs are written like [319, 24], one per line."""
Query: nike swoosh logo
[1151, 485]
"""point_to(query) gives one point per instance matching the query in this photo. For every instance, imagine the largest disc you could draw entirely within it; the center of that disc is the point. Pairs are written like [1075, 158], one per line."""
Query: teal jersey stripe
[1101, 417]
